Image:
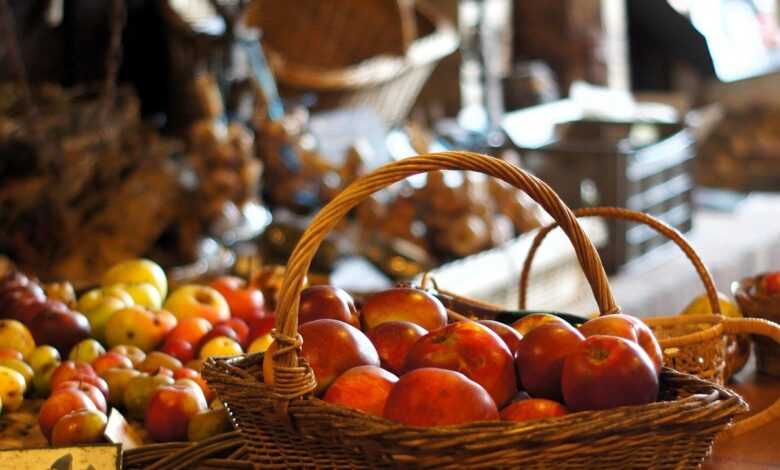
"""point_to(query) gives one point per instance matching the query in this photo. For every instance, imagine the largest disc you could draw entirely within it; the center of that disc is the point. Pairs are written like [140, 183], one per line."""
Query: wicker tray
[284, 426]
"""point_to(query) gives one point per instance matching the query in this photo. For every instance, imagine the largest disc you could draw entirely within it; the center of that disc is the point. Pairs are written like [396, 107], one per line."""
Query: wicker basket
[284, 426]
[354, 52]
[218, 452]
[760, 305]
[702, 345]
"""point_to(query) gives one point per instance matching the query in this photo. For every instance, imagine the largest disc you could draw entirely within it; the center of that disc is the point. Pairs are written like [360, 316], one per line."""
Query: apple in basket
[405, 304]
[529, 322]
[531, 409]
[509, 335]
[363, 388]
[393, 340]
[331, 347]
[327, 302]
[438, 397]
[472, 349]
[540, 358]
[627, 327]
[607, 371]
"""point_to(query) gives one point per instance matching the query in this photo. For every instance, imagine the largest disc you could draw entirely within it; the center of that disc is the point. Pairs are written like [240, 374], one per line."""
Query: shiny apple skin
[626, 327]
[532, 409]
[393, 340]
[170, 410]
[244, 302]
[363, 388]
[509, 335]
[540, 358]
[606, 372]
[318, 302]
[529, 322]
[471, 349]
[59, 404]
[61, 329]
[406, 304]
[438, 397]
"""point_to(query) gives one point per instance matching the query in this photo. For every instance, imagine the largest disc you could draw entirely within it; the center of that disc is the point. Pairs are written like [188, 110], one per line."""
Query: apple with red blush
[540, 358]
[318, 302]
[532, 409]
[626, 327]
[393, 340]
[363, 388]
[509, 335]
[245, 302]
[529, 322]
[404, 304]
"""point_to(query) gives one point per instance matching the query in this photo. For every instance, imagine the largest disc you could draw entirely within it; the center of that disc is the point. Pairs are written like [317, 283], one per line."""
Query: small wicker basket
[284, 426]
[702, 345]
[353, 52]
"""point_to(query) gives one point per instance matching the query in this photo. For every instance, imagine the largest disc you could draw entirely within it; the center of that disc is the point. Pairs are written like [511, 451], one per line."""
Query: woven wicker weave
[354, 52]
[695, 344]
[284, 426]
[760, 305]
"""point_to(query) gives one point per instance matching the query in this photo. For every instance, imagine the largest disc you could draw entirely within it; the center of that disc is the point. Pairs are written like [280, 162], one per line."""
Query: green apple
[143, 294]
[136, 271]
[98, 317]
[42, 379]
[86, 351]
[93, 298]
[117, 380]
[139, 391]
[43, 356]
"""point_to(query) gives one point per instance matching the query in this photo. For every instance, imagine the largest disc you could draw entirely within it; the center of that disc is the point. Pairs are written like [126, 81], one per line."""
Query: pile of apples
[129, 345]
[398, 357]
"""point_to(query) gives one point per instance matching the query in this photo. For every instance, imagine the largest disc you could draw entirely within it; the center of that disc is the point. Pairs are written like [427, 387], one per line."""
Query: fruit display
[415, 364]
[130, 344]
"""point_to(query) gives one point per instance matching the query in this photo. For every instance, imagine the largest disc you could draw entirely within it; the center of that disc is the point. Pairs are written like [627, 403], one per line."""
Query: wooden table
[758, 449]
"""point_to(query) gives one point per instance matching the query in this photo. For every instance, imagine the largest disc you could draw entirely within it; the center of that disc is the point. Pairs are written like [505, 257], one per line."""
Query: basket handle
[292, 379]
[626, 214]
[756, 326]
[408, 17]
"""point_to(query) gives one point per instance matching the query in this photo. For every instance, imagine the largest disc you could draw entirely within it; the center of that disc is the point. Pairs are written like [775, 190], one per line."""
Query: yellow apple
[43, 356]
[12, 388]
[700, 305]
[220, 346]
[92, 299]
[14, 335]
[138, 326]
[86, 351]
[261, 344]
[21, 367]
[136, 271]
[98, 316]
[192, 300]
[144, 294]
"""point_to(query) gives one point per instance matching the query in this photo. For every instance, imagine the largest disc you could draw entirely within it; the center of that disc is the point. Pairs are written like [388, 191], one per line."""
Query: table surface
[757, 449]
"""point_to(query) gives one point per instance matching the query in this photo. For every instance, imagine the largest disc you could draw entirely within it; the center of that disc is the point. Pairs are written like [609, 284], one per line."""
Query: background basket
[702, 345]
[283, 425]
[353, 52]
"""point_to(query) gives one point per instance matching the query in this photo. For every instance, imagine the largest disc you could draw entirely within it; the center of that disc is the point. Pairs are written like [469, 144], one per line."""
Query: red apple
[94, 393]
[407, 304]
[244, 302]
[70, 370]
[26, 309]
[13, 294]
[192, 374]
[438, 397]
[607, 371]
[319, 302]
[170, 410]
[472, 349]
[191, 330]
[79, 427]
[770, 283]
[529, 322]
[58, 405]
[134, 353]
[156, 360]
[241, 329]
[218, 331]
[532, 408]
[540, 358]
[259, 327]
[61, 329]
[627, 327]
[393, 340]
[331, 347]
[179, 349]
[509, 335]
[363, 388]
[111, 360]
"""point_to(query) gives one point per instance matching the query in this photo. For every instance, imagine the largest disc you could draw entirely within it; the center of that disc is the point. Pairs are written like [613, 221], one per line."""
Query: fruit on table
[86, 351]
[59, 404]
[70, 370]
[111, 360]
[393, 340]
[220, 331]
[79, 427]
[207, 424]
[12, 388]
[627, 327]
[136, 271]
[193, 300]
[99, 316]
[139, 391]
[14, 335]
[179, 349]
[117, 380]
[170, 410]
[700, 305]
[403, 303]
[193, 375]
[41, 356]
[156, 359]
[240, 328]
[319, 302]
[438, 397]
[8, 353]
[331, 347]
[529, 322]
[220, 346]
[471, 349]
[260, 326]
[27, 308]
[90, 390]
[509, 335]
[134, 353]
[608, 371]
[540, 358]
[245, 302]
[363, 388]
[62, 291]
[42, 379]
[13, 294]
[22, 367]
[139, 326]
[191, 330]
[532, 408]
[61, 329]
[144, 294]
[770, 283]
[91, 299]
